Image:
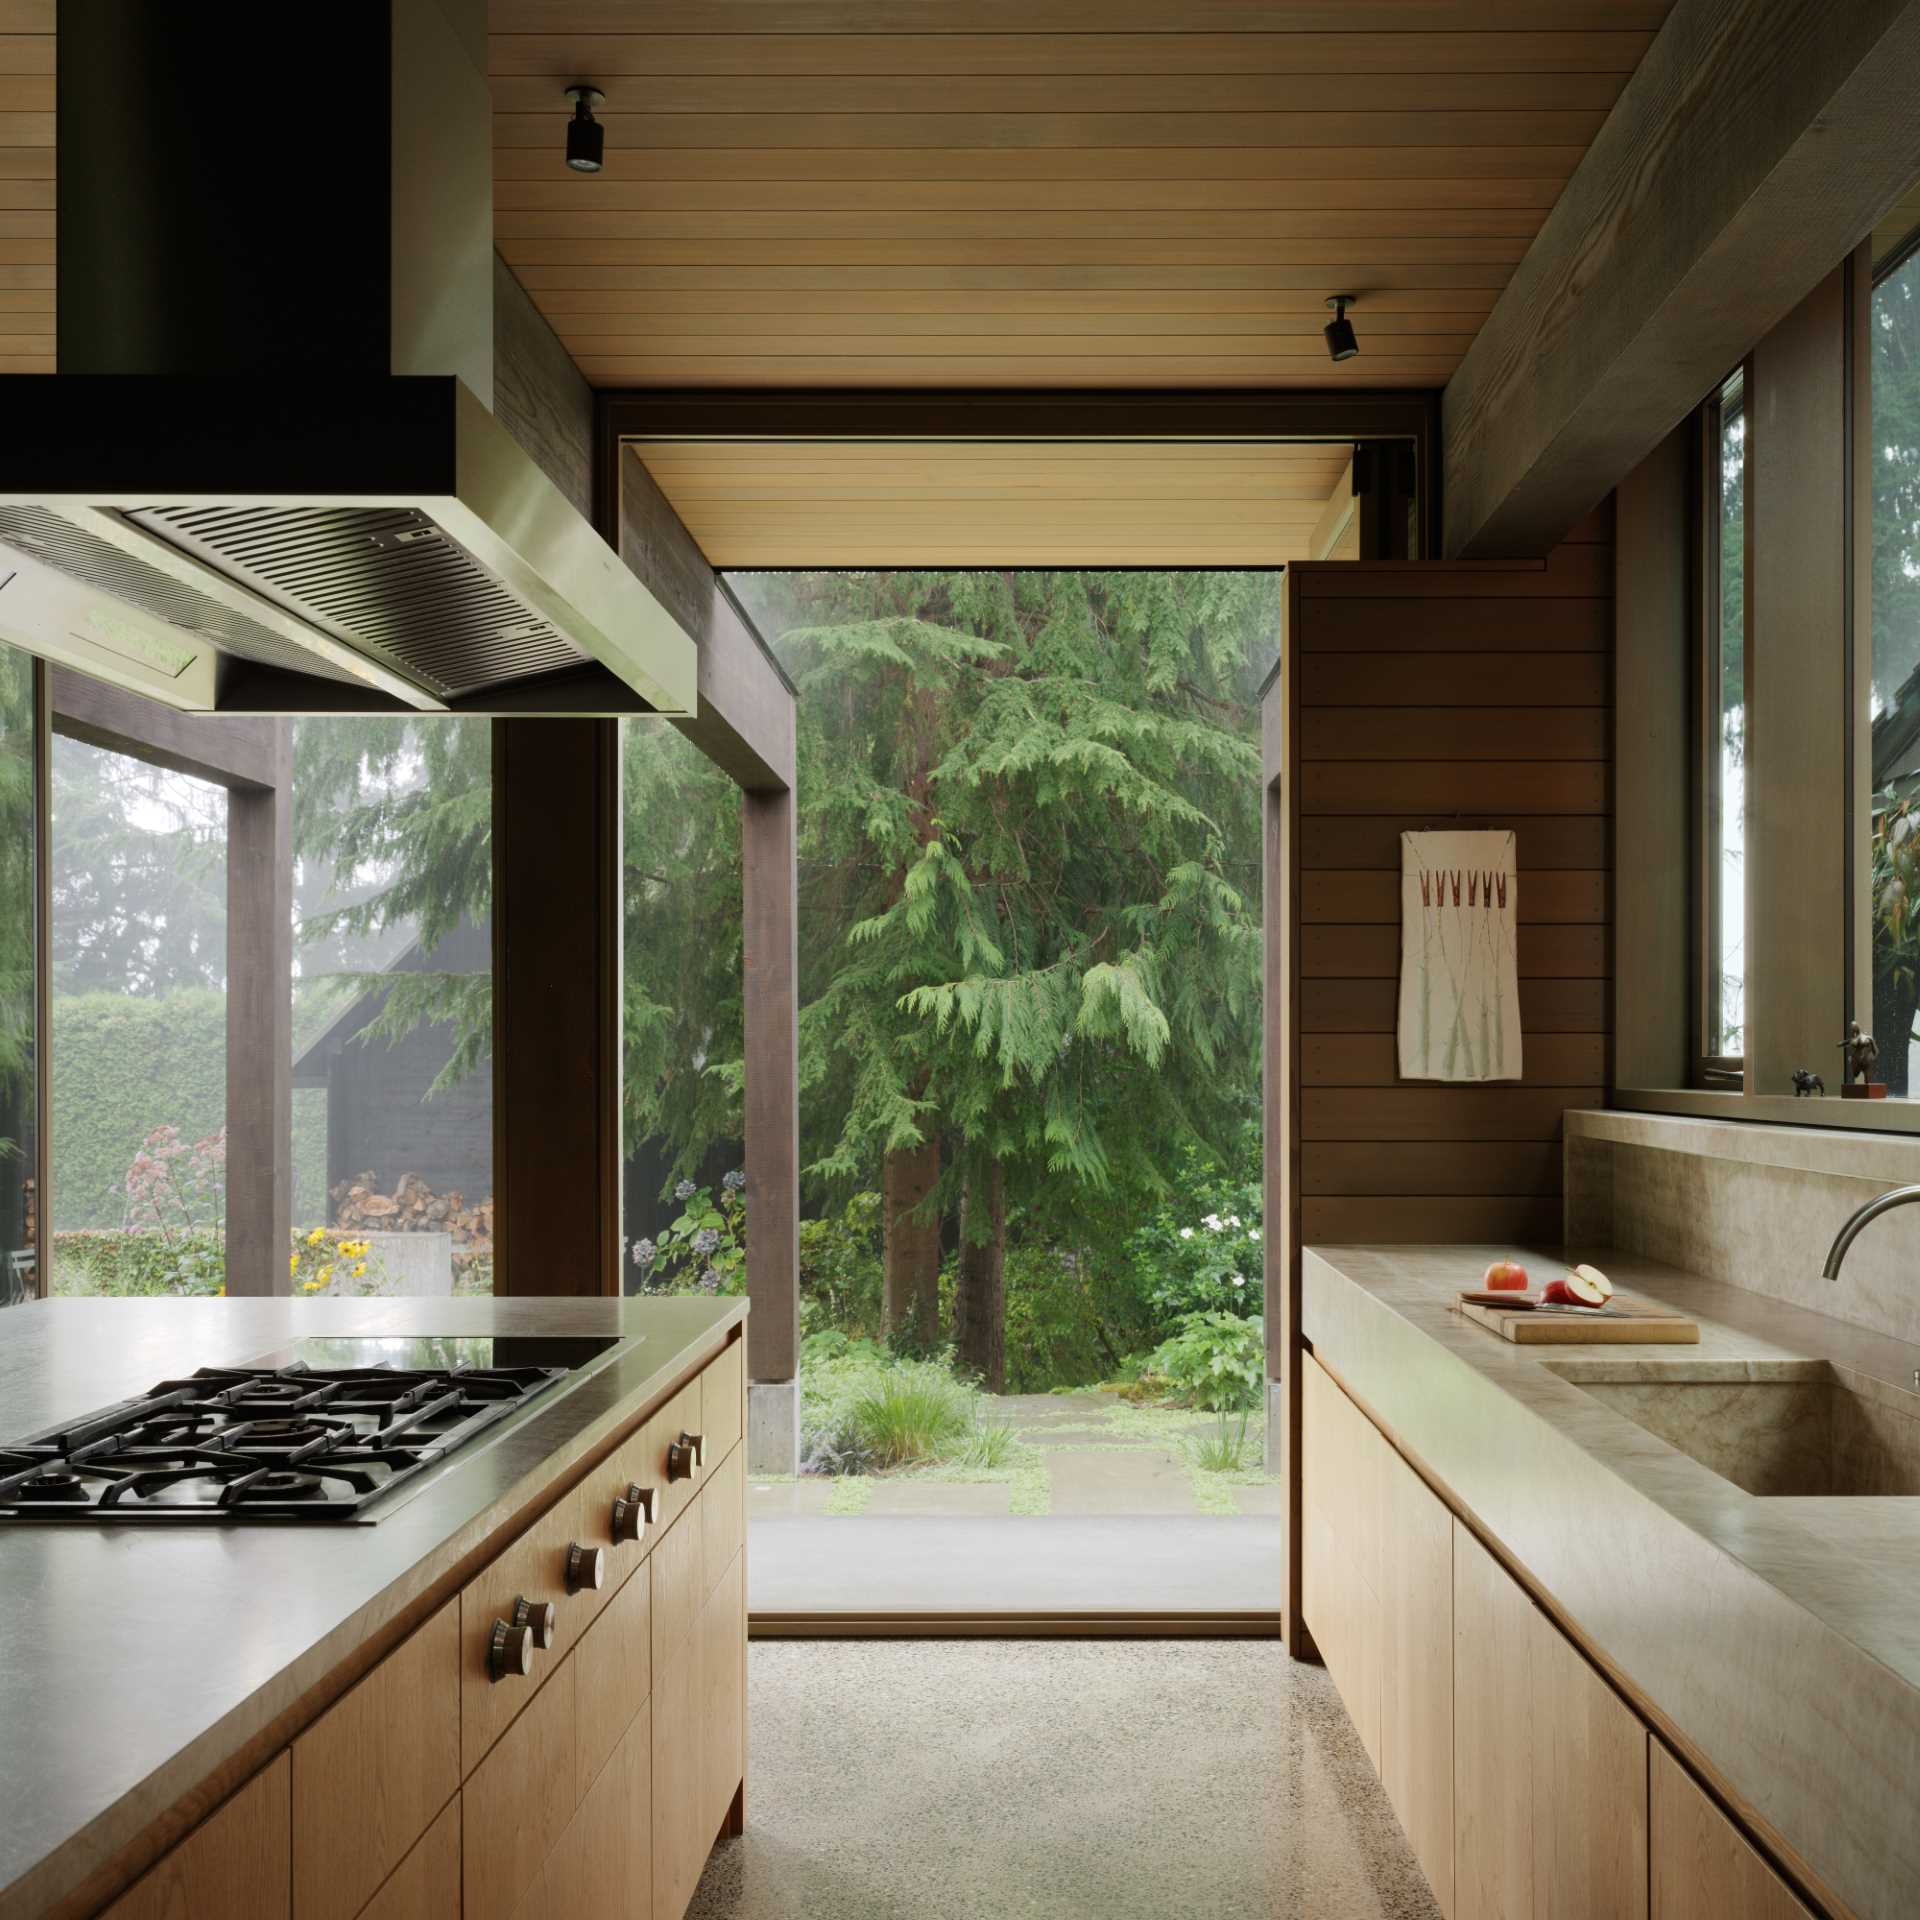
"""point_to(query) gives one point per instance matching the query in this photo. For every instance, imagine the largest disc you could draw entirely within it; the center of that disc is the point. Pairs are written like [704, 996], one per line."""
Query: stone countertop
[140, 1663]
[1775, 1640]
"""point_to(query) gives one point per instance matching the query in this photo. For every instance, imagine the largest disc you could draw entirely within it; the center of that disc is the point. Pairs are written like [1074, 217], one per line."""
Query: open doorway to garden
[1031, 1254]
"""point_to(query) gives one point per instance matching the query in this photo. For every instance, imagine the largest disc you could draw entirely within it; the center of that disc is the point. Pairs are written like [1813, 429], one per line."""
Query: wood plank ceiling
[1005, 503]
[897, 193]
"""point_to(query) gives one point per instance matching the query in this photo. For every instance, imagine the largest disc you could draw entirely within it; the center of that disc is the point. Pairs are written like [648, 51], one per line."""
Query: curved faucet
[1861, 1215]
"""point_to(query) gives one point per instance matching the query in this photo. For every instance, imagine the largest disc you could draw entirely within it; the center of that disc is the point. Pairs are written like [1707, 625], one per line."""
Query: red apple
[1583, 1287]
[1504, 1276]
[1556, 1293]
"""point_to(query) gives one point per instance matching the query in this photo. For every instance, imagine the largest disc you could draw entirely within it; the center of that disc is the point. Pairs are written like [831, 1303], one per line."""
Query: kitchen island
[1620, 1610]
[297, 1714]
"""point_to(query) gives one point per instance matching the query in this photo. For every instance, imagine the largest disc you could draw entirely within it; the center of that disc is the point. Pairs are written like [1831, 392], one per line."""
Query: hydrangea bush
[704, 1250]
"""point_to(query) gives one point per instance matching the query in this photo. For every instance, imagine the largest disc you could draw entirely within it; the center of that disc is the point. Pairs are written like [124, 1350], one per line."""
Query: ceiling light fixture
[1341, 341]
[586, 137]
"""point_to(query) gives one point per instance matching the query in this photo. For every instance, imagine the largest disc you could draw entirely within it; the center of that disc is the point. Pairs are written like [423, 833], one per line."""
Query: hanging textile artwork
[1459, 973]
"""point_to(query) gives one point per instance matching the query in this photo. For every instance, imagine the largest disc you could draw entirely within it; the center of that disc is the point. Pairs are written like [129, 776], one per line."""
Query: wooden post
[771, 966]
[556, 1006]
[260, 1026]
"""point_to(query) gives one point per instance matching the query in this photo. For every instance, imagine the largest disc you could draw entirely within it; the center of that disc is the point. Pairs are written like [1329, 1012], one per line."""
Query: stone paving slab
[1119, 1482]
[909, 1495]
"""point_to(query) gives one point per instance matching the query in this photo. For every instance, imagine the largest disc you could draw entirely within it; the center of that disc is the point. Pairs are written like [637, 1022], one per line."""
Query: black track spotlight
[1341, 341]
[586, 137]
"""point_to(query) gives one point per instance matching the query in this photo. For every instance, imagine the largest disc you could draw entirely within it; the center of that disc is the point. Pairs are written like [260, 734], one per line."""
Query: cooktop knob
[685, 1455]
[632, 1512]
[509, 1651]
[586, 1568]
[539, 1616]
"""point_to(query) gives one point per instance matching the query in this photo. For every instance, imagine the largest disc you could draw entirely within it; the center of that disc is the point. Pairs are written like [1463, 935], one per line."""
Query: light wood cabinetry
[1702, 1863]
[1550, 1765]
[237, 1865]
[378, 1764]
[594, 1784]
[1416, 1671]
[1379, 1585]
[1518, 1774]
[426, 1884]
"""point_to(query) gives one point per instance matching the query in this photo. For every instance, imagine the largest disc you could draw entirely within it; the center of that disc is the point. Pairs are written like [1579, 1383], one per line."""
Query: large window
[19, 919]
[393, 1006]
[1724, 714]
[1894, 369]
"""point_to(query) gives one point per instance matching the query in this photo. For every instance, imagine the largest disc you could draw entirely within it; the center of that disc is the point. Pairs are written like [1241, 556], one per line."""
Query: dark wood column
[260, 1026]
[771, 967]
[556, 1006]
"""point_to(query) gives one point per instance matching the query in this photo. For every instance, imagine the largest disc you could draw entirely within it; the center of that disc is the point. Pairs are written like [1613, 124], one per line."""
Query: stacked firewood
[413, 1207]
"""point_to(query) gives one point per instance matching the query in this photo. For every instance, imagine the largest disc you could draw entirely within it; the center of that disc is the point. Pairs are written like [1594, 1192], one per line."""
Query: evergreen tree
[1029, 856]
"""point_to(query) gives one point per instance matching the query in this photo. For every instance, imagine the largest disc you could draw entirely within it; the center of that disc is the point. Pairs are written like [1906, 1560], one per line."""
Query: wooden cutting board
[1627, 1322]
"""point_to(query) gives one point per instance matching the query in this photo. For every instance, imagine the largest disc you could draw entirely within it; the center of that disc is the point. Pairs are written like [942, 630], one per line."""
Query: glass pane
[393, 1006]
[19, 1076]
[1895, 332]
[1727, 1035]
[139, 1040]
[683, 1180]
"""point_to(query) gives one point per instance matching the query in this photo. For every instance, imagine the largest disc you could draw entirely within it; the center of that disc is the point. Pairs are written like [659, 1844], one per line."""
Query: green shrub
[90, 1260]
[1224, 1450]
[1201, 1249]
[913, 1413]
[841, 1279]
[1217, 1361]
[990, 1444]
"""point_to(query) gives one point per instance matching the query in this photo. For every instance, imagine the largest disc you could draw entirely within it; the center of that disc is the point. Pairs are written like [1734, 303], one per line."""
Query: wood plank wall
[1444, 696]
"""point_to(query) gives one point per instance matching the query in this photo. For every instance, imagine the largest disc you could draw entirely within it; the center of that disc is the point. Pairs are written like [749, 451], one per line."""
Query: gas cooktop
[317, 1432]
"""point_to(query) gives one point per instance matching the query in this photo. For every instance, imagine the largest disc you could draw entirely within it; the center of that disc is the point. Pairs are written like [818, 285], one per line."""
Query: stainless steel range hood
[267, 477]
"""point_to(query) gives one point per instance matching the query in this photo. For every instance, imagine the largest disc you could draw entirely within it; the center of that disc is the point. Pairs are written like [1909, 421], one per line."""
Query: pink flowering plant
[176, 1196]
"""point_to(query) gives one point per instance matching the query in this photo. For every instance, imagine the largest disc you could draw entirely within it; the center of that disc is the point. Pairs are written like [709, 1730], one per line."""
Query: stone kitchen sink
[1799, 1428]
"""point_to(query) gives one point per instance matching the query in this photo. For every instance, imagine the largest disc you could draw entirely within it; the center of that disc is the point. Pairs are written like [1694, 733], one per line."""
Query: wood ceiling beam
[1757, 144]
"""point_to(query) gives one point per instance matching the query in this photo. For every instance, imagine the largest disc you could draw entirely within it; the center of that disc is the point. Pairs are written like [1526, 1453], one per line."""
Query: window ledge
[1775, 1130]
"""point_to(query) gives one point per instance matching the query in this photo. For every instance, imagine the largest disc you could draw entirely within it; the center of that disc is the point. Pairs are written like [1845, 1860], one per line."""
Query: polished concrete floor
[984, 1780]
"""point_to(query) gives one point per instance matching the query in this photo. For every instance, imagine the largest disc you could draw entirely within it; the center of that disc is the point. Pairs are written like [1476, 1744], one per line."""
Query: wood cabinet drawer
[379, 1764]
[639, 1521]
[723, 1400]
[234, 1866]
[680, 1415]
[426, 1884]
[1701, 1862]
[613, 1674]
[533, 1569]
[722, 1513]
[519, 1800]
[723, 1695]
[602, 1868]
[679, 1584]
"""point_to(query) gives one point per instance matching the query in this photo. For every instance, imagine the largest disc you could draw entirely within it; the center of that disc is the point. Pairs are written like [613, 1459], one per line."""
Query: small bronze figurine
[1858, 1052]
[1805, 1080]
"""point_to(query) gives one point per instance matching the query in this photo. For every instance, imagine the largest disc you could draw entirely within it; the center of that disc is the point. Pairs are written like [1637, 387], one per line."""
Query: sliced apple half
[1590, 1286]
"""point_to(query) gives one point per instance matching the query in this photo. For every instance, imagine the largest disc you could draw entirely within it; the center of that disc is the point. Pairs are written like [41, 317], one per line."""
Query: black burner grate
[228, 1444]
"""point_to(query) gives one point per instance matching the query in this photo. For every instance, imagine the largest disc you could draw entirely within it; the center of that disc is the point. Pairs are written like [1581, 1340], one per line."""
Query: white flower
[1253, 1233]
[1214, 1223]
[1239, 1280]
[1233, 1219]
[1186, 1233]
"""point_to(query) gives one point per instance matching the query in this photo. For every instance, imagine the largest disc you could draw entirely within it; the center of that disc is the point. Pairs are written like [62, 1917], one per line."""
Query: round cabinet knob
[539, 1617]
[509, 1650]
[586, 1568]
[683, 1456]
[632, 1512]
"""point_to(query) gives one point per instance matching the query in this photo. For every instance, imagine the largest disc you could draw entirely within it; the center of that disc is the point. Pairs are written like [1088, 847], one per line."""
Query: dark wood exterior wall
[1444, 695]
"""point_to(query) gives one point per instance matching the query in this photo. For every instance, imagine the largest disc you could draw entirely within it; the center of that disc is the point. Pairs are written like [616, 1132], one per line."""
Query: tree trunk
[980, 1298]
[911, 1307]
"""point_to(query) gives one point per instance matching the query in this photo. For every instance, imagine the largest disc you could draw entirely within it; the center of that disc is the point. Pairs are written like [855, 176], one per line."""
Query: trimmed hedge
[123, 1065]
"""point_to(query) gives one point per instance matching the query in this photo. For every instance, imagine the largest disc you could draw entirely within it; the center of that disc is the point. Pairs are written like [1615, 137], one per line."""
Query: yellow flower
[360, 1272]
[223, 1286]
[326, 1274]
[293, 1263]
[316, 1236]
[310, 1286]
